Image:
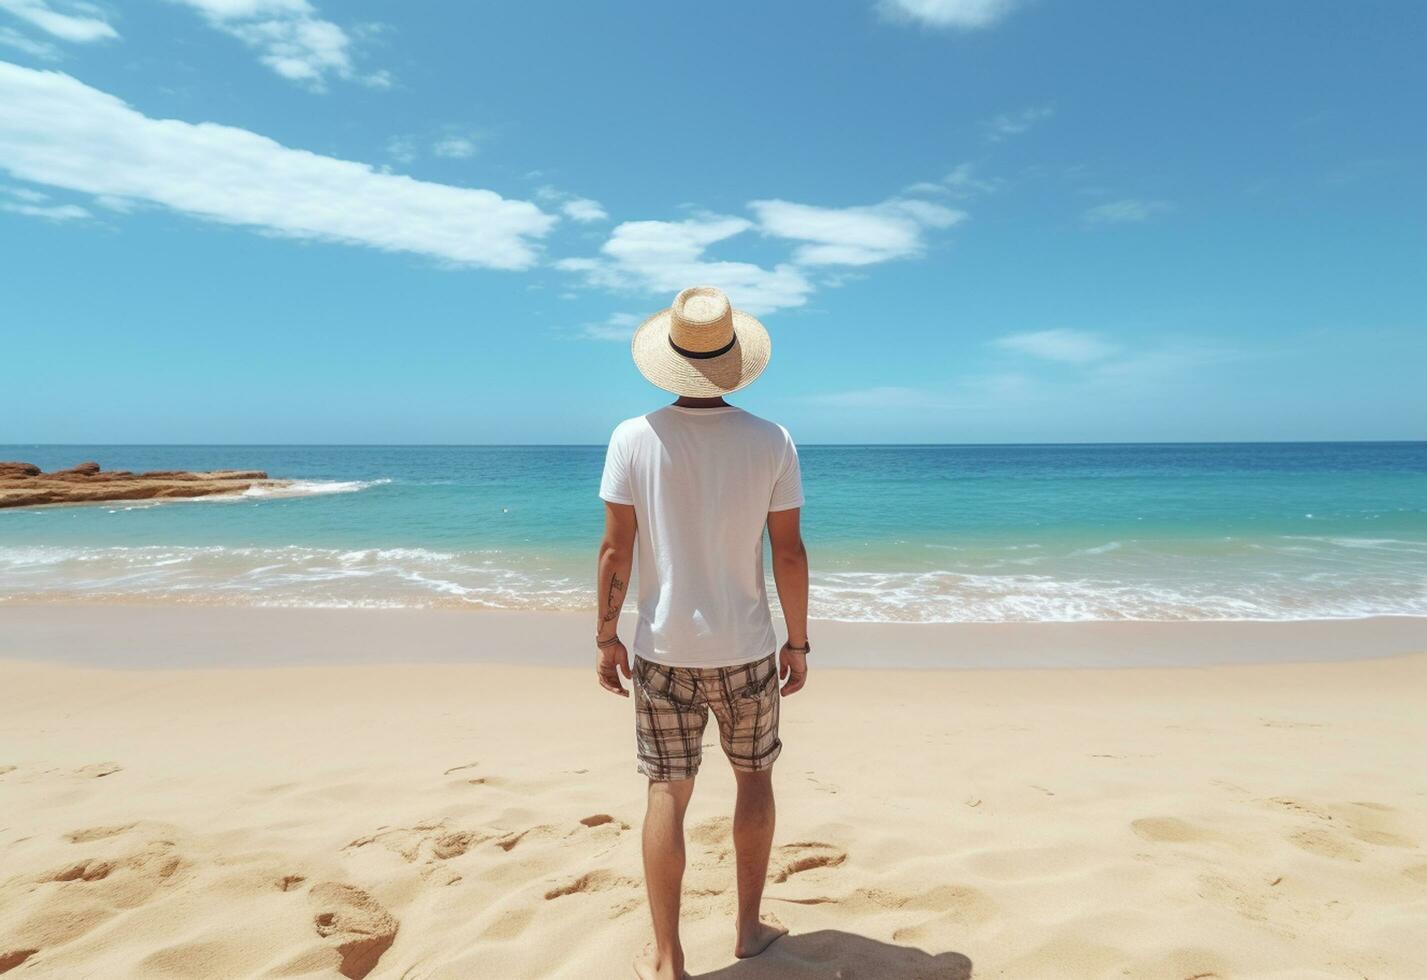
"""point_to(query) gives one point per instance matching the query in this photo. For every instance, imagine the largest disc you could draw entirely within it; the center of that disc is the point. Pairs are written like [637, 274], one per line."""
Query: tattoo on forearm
[614, 599]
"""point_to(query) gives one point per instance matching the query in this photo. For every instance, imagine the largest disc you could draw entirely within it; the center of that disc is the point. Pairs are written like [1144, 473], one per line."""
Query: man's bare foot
[755, 941]
[648, 967]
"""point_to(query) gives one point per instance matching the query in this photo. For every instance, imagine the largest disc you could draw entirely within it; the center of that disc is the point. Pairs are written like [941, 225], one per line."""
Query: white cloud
[619, 326]
[27, 194]
[1126, 211]
[1068, 346]
[80, 23]
[57, 131]
[290, 38]
[12, 38]
[1015, 123]
[963, 181]
[960, 14]
[857, 235]
[454, 147]
[663, 257]
[401, 149]
[581, 209]
[584, 209]
[50, 212]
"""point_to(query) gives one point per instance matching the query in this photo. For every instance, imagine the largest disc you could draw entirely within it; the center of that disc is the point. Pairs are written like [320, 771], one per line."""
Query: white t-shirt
[702, 481]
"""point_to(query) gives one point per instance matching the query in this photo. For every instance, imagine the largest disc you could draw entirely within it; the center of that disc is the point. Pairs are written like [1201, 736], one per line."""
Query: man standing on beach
[692, 486]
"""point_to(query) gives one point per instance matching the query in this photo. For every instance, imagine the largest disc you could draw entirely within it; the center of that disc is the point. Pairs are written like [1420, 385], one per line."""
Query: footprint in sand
[96, 833]
[91, 870]
[98, 770]
[1168, 830]
[1417, 873]
[288, 882]
[462, 768]
[602, 819]
[796, 858]
[432, 840]
[1299, 807]
[1324, 843]
[359, 928]
[3, 771]
[542, 831]
[600, 880]
[11, 958]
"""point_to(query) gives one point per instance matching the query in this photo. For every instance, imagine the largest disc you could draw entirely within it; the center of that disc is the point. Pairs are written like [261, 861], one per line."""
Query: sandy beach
[471, 819]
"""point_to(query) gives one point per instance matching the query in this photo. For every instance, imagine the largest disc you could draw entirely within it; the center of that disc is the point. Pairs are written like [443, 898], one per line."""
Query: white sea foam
[310, 488]
[1133, 582]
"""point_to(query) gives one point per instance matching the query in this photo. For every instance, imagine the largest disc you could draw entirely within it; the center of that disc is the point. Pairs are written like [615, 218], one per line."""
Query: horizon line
[597, 445]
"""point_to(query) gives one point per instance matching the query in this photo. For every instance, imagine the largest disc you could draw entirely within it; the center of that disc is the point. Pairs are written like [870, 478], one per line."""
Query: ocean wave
[1107, 586]
[950, 597]
[310, 488]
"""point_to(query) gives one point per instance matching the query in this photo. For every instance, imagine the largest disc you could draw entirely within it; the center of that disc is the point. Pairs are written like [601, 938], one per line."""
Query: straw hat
[701, 346]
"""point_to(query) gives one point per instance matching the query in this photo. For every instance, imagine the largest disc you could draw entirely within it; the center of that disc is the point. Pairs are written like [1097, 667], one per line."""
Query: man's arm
[790, 575]
[616, 558]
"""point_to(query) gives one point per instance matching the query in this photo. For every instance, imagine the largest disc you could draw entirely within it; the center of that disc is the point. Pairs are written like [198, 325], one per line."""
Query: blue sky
[961, 220]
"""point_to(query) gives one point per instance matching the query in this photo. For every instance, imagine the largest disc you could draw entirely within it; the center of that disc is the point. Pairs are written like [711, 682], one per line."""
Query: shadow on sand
[833, 953]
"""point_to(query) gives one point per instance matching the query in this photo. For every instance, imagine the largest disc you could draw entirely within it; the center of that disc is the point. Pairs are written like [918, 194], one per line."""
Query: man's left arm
[616, 559]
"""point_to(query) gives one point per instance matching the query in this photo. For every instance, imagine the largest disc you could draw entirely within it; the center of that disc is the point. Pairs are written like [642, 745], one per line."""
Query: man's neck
[686, 402]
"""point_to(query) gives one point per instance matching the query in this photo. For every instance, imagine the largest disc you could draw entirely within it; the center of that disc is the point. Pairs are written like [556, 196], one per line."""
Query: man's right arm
[790, 575]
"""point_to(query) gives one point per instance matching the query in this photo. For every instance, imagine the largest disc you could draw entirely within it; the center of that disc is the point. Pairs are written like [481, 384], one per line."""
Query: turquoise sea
[903, 533]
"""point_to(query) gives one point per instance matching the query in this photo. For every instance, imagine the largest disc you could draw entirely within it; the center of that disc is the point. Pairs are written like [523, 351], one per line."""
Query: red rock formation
[24, 485]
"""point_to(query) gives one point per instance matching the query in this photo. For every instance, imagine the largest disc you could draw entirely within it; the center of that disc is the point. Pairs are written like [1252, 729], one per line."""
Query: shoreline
[161, 634]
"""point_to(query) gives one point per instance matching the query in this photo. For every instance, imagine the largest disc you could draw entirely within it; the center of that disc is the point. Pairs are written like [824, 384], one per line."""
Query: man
[691, 486]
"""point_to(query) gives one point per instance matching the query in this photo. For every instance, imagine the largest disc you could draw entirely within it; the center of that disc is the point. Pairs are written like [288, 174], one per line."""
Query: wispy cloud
[617, 327]
[1068, 346]
[36, 204]
[962, 182]
[12, 38]
[663, 257]
[1009, 124]
[290, 38]
[57, 131]
[959, 14]
[574, 207]
[77, 22]
[1125, 211]
[450, 142]
[49, 212]
[454, 147]
[862, 235]
[402, 149]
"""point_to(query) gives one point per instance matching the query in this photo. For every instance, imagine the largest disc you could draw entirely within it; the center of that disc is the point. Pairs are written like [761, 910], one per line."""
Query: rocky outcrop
[24, 485]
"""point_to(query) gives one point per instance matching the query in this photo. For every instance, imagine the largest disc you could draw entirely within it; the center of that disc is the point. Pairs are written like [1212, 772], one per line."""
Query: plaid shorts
[671, 708]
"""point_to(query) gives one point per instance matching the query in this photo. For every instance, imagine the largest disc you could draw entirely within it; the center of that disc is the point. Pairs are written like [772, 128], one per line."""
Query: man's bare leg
[664, 878]
[753, 820]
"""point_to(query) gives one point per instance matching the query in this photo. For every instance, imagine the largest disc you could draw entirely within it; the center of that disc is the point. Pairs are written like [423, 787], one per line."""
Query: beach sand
[179, 815]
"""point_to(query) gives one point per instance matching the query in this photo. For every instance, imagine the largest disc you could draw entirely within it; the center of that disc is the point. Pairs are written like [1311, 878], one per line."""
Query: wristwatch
[806, 648]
